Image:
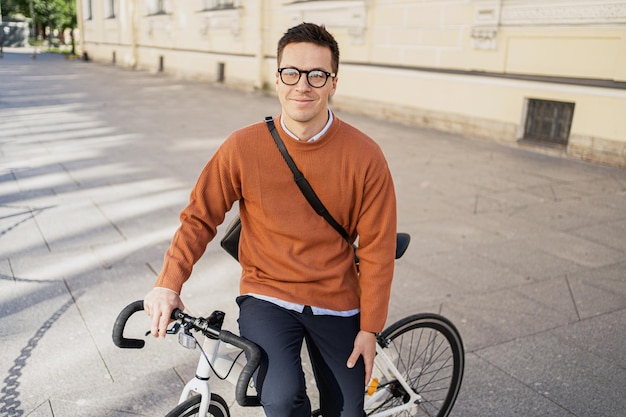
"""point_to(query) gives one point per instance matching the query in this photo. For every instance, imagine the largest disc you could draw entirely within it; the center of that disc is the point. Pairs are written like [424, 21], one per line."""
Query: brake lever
[172, 330]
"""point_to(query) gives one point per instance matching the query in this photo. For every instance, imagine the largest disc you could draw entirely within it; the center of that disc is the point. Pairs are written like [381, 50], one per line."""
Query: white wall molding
[486, 22]
[490, 15]
[349, 14]
[571, 12]
[229, 19]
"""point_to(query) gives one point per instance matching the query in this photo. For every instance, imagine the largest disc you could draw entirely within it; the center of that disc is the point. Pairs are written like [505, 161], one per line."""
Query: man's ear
[334, 88]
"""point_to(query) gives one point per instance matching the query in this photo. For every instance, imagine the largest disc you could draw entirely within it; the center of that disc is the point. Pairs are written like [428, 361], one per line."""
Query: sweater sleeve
[212, 196]
[377, 243]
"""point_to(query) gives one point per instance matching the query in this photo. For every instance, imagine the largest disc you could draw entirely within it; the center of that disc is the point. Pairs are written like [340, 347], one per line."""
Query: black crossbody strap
[302, 182]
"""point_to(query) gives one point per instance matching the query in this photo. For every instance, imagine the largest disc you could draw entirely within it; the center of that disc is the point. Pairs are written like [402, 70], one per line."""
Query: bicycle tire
[427, 350]
[190, 407]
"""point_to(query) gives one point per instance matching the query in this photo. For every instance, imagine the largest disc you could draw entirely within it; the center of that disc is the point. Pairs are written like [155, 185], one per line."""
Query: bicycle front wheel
[427, 351]
[190, 407]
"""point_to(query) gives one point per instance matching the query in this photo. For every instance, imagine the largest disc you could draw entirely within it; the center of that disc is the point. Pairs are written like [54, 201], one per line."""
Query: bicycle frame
[384, 365]
[220, 357]
[225, 361]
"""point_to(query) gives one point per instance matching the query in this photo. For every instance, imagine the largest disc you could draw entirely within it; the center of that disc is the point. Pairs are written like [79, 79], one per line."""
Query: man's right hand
[159, 304]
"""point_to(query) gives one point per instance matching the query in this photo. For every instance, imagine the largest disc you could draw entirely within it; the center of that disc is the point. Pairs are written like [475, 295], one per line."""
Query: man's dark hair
[311, 33]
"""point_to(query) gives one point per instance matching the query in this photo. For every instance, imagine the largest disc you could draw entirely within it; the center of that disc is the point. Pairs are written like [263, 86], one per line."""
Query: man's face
[305, 107]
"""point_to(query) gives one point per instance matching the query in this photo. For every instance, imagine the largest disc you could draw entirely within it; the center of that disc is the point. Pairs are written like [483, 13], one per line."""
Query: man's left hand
[364, 345]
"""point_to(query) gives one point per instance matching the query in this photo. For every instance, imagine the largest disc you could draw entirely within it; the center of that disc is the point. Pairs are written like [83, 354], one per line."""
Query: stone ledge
[598, 150]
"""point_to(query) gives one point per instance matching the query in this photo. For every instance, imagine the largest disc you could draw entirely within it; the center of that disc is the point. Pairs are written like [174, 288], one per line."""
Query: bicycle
[418, 367]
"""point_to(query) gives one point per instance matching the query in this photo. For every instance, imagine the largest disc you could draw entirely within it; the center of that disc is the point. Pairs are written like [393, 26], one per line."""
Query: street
[524, 251]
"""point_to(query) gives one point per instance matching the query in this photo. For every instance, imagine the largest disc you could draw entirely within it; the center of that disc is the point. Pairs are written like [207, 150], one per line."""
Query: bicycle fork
[200, 385]
[224, 363]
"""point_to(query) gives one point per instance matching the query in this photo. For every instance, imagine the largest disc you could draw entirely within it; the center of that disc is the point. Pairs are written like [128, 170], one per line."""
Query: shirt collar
[316, 137]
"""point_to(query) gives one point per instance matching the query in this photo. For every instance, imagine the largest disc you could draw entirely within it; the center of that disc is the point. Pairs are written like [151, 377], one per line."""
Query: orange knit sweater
[286, 250]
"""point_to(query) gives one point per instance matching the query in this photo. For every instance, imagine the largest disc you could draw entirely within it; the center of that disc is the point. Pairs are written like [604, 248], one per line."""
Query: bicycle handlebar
[253, 354]
[118, 328]
[252, 351]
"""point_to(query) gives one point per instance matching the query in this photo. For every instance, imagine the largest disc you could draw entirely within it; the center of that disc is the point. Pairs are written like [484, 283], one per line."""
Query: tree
[9, 7]
[57, 14]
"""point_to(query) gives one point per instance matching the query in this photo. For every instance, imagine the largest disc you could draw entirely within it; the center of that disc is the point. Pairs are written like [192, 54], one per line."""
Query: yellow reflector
[371, 389]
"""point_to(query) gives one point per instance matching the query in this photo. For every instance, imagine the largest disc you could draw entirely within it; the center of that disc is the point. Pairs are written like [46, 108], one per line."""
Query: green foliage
[9, 7]
[60, 14]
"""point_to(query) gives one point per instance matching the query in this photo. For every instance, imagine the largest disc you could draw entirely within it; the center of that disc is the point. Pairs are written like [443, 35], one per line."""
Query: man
[299, 281]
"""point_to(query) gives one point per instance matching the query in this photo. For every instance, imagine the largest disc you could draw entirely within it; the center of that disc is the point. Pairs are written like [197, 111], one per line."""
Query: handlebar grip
[118, 328]
[253, 354]
[177, 313]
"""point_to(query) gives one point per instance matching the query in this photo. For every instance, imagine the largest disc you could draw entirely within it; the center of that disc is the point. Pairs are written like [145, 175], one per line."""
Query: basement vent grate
[548, 121]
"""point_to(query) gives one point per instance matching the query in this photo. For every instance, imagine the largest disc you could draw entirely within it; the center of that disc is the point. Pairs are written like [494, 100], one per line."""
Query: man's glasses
[316, 78]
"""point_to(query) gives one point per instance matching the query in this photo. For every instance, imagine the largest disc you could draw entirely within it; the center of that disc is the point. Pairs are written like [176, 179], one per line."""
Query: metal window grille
[549, 121]
[219, 4]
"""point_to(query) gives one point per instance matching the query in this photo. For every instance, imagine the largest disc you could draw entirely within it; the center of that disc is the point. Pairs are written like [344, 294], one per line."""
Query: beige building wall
[465, 66]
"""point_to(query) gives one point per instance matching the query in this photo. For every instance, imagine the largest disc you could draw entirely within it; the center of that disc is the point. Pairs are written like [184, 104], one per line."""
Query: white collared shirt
[313, 138]
[318, 311]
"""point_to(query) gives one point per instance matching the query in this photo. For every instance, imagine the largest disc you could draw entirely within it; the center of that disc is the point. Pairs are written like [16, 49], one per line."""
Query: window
[87, 10]
[109, 9]
[155, 6]
[220, 4]
[548, 121]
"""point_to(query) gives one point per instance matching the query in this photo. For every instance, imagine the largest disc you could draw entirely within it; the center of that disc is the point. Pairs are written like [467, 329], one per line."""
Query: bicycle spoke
[427, 352]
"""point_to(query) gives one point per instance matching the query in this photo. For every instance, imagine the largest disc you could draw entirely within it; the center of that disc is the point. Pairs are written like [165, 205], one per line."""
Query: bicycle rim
[428, 352]
[190, 407]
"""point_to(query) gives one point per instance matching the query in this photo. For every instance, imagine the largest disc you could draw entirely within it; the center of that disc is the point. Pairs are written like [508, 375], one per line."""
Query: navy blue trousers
[280, 381]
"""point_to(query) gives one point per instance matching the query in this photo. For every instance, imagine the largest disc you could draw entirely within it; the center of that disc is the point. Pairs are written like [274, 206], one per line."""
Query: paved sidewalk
[525, 252]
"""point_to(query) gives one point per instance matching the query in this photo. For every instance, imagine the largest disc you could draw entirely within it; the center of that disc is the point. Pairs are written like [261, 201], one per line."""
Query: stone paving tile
[581, 251]
[69, 225]
[133, 212]
[417, 291]
[600, 209]
[601, 335]
[134, 396]
[471, 273]
[8, 185]
[53, 266]
[483, 382]
[611, 234]
[493, 318]
[460, 231]
[6, 273]
[599, 291]
[581, 382]
[19, 232]
[508, 200]
[40, 356]
[525, 258]
[26, 304]
[555, 216]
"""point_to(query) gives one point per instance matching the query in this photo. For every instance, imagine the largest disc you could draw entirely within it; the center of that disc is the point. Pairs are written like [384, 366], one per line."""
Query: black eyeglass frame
[300, 72]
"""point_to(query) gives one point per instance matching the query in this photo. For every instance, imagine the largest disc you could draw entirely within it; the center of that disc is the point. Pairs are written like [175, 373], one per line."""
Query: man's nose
[303, 82]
